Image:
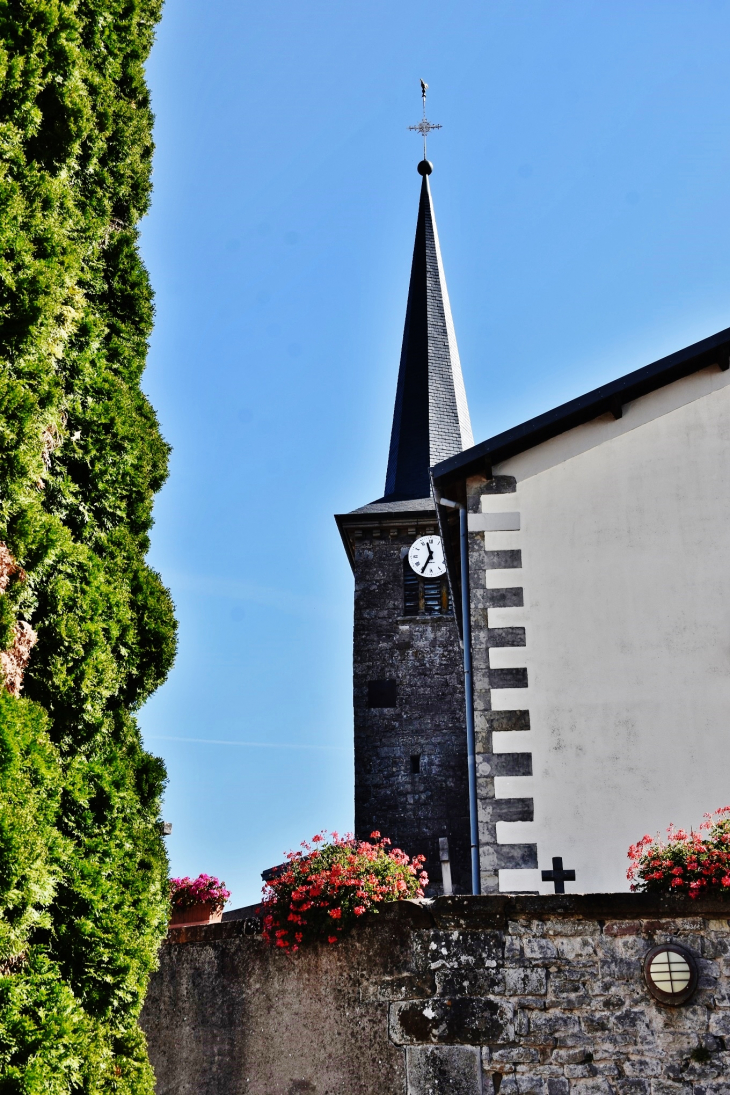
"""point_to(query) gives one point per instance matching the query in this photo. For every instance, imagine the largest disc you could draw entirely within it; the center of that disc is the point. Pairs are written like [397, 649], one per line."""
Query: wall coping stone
[469, 913]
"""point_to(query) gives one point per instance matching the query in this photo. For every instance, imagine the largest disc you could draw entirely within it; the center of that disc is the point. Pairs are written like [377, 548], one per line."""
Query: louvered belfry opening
[424, 596]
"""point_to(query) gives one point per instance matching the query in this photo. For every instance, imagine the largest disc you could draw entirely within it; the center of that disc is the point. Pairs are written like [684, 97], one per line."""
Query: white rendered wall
[625, 537]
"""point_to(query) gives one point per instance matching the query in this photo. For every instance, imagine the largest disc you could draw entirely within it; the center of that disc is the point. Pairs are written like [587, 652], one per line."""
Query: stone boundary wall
[519, 995]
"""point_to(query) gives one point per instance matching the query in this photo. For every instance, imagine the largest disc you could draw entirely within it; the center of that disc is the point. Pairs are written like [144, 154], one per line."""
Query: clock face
[426, 557]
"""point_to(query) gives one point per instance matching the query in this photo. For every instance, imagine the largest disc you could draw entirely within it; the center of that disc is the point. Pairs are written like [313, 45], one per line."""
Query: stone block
[596, 1085]
[434, 1070]
[631, 1019]
[538, 948]
[557, 1085]
[518, 1084]
[512, 948]
[623, 927]
[574, 1001]
[506, 1085]
[526, 927]
[578, 946]
[553, 1022]
[522, 981]
[506, 809]
[632, 1087]
[596, 1024]
[618, 968]
[572, 927]
[571, 982]
[581, 1072]
[465, 982]
[720, 1024]
[516, 856]
[466, 949]
[402, 987]
[511, 764]
[515, 1055]
[576, 1056]
[690, 1017]
[451, 1021]
[615, 1046]
[531, 1085]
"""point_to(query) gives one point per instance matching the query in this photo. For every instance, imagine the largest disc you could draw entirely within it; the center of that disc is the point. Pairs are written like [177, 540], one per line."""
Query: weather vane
[424, 127]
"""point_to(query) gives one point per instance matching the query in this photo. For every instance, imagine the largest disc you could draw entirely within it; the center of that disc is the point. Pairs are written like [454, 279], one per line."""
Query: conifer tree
[87, 630]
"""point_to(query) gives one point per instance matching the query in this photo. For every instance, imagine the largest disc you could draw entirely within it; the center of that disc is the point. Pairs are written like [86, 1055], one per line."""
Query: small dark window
[382, 694]
[415, 764]
[424, 596]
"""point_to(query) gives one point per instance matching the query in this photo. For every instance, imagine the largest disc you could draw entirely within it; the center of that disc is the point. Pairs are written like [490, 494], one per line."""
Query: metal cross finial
[424, 127]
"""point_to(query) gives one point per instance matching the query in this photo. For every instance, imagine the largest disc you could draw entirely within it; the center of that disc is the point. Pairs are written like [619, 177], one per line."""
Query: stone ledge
[468, 913]
[495, 911]
[206, 933]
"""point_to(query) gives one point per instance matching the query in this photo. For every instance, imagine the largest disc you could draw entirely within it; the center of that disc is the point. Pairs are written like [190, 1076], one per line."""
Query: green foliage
[31, 848]
[83, 871]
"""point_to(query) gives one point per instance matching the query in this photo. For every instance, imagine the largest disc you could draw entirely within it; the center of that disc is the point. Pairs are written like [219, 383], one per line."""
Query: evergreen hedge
[83, 871]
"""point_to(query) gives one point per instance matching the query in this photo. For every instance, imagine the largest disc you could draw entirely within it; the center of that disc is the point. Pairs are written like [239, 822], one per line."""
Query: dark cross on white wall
[558, 875]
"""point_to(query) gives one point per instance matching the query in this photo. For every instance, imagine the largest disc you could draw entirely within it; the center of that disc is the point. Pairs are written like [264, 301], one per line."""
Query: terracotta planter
[201, 913]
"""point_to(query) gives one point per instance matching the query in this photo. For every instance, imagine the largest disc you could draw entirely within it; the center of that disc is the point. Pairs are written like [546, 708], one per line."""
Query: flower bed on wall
[323, 889]
[687, 862]
[197, 900]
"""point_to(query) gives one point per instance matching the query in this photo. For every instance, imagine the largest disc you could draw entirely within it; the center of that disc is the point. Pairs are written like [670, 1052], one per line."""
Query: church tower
[410, 737]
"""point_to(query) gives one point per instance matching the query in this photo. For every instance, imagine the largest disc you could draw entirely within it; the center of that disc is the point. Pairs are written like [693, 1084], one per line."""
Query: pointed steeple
[431, 417]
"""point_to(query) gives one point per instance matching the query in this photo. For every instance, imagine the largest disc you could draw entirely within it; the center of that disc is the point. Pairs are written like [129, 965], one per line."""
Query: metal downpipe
[468, 690]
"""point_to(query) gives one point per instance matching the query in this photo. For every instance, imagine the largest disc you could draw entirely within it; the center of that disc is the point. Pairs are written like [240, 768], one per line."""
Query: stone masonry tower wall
[410, 758]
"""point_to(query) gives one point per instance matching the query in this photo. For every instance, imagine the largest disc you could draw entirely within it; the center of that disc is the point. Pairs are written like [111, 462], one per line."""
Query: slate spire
[431, 416]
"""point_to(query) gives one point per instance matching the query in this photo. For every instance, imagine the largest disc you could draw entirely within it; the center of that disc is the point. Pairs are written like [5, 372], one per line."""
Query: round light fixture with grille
[670, 973]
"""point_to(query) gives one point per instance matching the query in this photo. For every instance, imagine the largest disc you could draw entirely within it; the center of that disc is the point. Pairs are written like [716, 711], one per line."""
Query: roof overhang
[381, 517]
[608, 399]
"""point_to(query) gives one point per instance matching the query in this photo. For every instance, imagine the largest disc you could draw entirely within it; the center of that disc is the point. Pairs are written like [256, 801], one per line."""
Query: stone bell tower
[410, 737]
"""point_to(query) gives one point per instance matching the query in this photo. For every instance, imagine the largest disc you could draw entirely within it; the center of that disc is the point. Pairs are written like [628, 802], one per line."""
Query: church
[541, 675]
[573, 572]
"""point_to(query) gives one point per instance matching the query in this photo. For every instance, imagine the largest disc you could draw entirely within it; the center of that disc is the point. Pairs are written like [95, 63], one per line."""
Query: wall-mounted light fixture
[670, 972]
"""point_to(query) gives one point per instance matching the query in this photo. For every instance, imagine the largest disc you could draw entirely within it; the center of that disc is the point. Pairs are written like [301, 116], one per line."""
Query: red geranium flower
[685, 862]
[339, 881]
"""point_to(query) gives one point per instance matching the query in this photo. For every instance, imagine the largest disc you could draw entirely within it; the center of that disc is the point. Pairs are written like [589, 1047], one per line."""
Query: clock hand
[428, 560]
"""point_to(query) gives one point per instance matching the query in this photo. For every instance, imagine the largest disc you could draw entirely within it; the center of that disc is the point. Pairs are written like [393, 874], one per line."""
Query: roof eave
[608, 399]
[356, 518]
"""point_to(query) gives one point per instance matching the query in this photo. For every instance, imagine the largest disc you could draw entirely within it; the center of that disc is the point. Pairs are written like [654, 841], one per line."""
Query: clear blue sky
[581, 189]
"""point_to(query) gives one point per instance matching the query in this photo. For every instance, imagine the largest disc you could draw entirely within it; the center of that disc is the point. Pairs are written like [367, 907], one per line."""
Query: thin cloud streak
[251, 744]
[293, 604]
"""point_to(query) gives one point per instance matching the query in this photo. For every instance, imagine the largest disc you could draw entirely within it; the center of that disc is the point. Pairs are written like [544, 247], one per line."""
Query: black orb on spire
[424, 167]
